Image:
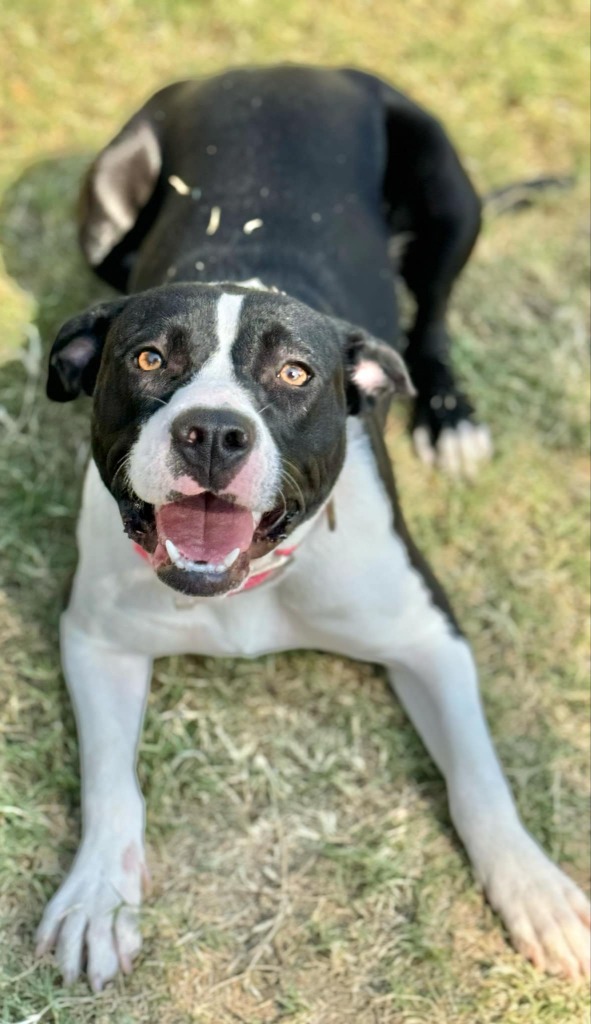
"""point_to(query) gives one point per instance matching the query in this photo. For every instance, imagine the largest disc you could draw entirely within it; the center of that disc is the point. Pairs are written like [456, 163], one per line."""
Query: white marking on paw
[94, 915]
[459, 452]
[449, 457]
[423, 447]
[546, 914]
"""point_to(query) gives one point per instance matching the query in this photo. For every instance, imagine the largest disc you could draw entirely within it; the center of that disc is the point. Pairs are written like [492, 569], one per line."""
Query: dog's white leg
[545, 913]
[94, 913]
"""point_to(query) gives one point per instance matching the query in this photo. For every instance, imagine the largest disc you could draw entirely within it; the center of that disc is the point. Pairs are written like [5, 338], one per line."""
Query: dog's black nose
[213, 444]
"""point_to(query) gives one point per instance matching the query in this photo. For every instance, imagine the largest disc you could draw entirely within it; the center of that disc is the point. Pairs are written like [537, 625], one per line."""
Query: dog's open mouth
[202, 533]
[203, 543]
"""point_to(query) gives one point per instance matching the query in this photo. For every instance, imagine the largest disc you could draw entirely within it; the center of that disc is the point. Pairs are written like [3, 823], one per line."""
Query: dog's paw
[458, 451]
[444, 429]
[92, 920]
[547, 916]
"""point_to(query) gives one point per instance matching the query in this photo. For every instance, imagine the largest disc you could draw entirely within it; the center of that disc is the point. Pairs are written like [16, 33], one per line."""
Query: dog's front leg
[93, 916]
[545, 913]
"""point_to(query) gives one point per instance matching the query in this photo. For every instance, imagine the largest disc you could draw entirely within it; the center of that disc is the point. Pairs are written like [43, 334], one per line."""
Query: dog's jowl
[238, 396]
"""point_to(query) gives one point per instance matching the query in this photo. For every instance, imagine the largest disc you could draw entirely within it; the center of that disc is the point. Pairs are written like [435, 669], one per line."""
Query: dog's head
[219, 418]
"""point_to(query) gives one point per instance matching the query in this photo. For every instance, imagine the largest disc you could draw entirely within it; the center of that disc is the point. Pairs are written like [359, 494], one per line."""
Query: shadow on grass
[45, 444]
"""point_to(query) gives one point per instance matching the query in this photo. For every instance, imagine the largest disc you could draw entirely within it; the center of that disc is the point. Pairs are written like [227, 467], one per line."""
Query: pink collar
[281, 557]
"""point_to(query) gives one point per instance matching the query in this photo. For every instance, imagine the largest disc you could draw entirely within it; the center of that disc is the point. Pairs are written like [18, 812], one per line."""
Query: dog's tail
[522, 194]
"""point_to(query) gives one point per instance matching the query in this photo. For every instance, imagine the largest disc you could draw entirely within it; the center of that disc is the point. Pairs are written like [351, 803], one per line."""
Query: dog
[240, 499]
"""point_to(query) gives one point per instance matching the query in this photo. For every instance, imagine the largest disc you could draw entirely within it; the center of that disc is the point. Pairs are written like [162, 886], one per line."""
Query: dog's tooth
[173, 552]
[185, 563]
[230, 559]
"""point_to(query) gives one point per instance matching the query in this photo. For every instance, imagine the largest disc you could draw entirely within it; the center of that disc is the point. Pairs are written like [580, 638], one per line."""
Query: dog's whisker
[290, 475]
[123, 466]
[293, 482]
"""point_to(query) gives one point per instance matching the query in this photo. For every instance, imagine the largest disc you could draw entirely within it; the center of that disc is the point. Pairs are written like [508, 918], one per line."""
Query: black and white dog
[233, 435]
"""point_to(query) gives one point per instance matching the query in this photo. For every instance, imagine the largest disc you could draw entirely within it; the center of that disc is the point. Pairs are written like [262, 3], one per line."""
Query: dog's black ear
[373, 367]
[75, 355]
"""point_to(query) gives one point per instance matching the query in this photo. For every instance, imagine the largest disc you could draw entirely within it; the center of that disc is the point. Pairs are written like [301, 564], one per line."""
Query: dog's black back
[300, 177]
[301, 150]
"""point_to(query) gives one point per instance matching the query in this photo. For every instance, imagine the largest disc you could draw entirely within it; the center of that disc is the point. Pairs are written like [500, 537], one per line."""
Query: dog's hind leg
[430, 199]
[545, 913]
[93, 916]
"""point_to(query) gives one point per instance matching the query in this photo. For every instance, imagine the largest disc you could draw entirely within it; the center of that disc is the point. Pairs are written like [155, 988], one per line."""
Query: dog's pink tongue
[205, 528]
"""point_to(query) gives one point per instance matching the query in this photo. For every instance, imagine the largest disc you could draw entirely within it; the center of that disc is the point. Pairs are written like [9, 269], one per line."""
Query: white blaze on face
[228, 318]
[213, 386]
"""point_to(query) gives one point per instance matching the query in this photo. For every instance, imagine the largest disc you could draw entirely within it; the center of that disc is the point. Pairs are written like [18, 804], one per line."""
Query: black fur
[334, 163]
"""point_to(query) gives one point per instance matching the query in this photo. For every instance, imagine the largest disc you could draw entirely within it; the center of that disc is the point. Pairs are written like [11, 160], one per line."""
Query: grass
[305, 868]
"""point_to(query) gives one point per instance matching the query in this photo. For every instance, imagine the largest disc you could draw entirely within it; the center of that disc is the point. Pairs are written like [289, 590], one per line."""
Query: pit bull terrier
[239, 499]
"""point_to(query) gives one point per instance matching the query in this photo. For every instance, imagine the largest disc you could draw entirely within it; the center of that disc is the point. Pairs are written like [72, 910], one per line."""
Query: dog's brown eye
[294, 374]
[149, 359]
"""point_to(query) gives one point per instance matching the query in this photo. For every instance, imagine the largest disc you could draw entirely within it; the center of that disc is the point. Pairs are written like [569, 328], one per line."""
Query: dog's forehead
[261, 312]
[160, 308]
[221, 313]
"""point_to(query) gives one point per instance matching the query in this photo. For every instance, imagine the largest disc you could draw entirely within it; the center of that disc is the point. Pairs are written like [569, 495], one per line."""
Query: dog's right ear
[75, 355]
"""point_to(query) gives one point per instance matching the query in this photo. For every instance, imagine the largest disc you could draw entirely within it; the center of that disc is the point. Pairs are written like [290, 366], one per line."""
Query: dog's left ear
[373, 368]
[75, 355]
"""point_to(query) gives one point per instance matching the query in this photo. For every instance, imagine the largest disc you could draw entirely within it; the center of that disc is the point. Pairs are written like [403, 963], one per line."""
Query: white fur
[459, 452]
[255, 284]
[214, 386]
[369, 376]
[228, 318]
[97, 905]
[351, 591]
